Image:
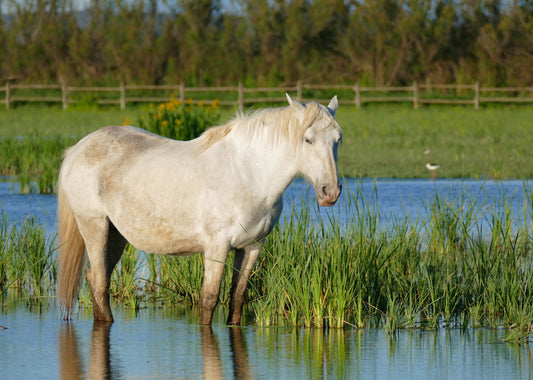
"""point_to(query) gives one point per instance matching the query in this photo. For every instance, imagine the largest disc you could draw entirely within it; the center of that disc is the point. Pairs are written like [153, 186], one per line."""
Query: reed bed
[440, 270]
[34, 160]
[28, 266]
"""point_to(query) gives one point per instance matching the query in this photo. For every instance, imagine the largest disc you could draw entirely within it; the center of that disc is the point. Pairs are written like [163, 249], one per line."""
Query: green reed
[34, 160]
[438, 270]
[28, 267]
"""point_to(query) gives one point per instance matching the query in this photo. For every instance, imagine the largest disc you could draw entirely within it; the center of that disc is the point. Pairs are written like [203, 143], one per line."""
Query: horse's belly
[176, 247]
[160, 236]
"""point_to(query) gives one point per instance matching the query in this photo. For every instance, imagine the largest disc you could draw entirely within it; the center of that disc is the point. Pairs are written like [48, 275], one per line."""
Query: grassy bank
[432, 273]
[379, 141]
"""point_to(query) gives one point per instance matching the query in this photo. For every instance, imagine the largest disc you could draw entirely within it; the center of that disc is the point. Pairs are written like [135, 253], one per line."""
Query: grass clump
[34, 160]
[27, 262]
[180, 121]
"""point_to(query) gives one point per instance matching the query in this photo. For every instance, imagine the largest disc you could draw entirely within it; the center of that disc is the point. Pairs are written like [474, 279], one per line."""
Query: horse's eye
[308, 141]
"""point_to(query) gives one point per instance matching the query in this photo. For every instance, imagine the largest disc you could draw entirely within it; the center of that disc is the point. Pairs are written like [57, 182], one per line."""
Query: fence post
[241, 97]
[357, 95]
[476, 96]
[182, 92]
[8, 94]
[415, 94]
[299, 91]
[64, 95]
[122, 96]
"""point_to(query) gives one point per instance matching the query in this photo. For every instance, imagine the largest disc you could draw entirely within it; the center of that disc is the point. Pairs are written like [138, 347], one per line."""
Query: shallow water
[393, 199]
[166, 344]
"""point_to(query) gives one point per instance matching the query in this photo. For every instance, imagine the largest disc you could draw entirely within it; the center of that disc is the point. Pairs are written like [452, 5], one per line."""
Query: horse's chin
[325, 202]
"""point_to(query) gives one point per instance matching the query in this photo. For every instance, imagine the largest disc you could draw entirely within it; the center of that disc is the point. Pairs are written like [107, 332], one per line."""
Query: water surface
[392, 199]
[168, 344]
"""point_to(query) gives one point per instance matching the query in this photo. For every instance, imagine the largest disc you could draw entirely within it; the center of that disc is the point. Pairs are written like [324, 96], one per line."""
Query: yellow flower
[189, 101]
[202, 103]
[179, 122]
[215, 103]
[127, 121]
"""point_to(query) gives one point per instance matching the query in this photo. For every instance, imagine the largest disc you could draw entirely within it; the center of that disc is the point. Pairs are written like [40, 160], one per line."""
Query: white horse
[217, 193]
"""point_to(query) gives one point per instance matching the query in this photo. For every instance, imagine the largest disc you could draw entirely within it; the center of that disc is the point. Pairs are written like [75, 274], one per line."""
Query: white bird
[432, 167]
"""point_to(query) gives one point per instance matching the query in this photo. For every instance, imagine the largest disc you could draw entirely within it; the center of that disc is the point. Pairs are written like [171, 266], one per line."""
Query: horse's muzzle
[328, 195]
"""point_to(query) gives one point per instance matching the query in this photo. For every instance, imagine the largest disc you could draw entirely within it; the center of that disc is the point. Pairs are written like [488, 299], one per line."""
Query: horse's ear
[293, 103]
[333, 106]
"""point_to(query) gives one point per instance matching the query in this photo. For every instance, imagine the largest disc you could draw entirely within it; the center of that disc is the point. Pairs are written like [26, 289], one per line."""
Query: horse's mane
[289, 123]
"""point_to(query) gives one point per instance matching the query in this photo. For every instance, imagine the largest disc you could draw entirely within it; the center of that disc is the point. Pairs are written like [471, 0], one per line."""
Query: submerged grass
[440, 270]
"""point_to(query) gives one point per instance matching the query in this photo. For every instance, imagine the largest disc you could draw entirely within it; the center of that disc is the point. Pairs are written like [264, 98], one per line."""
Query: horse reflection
[70, 360]
[100, 366]
[212, 361]
[69, 356]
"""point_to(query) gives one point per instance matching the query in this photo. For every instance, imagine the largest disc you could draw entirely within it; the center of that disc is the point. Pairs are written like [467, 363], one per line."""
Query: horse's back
[103, 155]
[114, 143]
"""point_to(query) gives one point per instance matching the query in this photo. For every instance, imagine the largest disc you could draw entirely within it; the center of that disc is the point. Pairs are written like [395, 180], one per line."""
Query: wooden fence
[355, 94]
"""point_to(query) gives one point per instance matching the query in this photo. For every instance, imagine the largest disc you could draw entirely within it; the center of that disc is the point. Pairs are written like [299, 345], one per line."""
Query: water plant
[34, 160]
[27, 261]
[438, 270]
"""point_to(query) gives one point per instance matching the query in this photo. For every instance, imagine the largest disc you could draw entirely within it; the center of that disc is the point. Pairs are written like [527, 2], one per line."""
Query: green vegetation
[390, 141]
[33, 154]
[215, 42]
[379, 141]
[34, 159]
[437, 271]
[28, 266]
[180, 121]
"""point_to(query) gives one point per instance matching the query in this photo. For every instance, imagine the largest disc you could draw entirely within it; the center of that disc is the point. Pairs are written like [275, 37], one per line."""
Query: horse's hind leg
[104, 246]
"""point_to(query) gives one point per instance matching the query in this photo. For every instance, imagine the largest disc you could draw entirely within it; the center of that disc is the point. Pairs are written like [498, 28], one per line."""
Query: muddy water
[168, 344]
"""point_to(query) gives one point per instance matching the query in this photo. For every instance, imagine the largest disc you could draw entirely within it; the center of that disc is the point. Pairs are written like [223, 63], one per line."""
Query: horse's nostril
[324, 190]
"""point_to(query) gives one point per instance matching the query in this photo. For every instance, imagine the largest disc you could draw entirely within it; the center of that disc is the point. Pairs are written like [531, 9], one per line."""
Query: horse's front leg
[214, 263]
[242, 267]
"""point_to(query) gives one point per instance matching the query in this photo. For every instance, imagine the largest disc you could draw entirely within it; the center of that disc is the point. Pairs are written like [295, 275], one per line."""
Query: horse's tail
[71, 253]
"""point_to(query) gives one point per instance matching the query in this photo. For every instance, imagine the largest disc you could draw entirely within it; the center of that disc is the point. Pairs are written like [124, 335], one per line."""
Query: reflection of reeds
[436, 271]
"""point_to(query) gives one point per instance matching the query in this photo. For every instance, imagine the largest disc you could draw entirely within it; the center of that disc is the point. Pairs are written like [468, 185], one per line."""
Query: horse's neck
[269, 167]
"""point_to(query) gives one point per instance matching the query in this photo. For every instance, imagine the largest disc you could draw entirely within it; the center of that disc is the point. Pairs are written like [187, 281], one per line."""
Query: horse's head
[318, 148]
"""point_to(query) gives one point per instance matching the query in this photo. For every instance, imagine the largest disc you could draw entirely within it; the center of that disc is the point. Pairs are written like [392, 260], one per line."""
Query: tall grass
[27, 262]
[34, 160]
[439, 270]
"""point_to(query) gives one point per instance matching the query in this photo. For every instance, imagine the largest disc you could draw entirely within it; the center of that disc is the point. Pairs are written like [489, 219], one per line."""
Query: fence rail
[355, 94]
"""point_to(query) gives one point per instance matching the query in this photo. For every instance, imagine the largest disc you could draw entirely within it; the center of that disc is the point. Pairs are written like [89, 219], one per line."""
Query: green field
[383, 141]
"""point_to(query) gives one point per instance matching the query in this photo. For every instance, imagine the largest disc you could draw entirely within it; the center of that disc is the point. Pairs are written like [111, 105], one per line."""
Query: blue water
[392, 199]
[167, 344]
